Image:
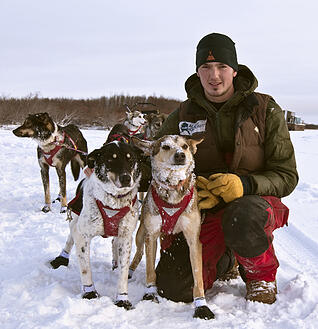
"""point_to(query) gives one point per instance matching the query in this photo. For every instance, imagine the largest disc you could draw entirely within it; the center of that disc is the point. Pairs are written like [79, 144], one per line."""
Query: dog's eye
[114, 156]
[128, 156]
[185, 146]
[166, 147]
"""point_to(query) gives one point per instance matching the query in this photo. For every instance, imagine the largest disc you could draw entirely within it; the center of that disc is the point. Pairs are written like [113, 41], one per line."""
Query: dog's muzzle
[125, 180]
[179, 158]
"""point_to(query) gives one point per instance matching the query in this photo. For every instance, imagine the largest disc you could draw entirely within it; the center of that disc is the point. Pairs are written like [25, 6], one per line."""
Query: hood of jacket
[244, 84]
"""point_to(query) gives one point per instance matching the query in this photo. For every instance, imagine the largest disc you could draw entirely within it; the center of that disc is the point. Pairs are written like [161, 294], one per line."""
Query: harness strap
[48, 156]
[112, 217]
[119, 138]
[134, 132]
[170, 213]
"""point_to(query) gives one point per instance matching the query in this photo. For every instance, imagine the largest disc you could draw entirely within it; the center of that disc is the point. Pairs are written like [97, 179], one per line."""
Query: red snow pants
[245, 226]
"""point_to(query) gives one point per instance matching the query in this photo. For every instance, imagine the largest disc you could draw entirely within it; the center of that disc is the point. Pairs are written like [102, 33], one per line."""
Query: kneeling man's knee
[243, 224]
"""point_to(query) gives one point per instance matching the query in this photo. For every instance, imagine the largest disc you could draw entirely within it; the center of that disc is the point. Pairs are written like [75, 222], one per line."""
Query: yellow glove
[228, 186]
[202, 182]
[206, 199]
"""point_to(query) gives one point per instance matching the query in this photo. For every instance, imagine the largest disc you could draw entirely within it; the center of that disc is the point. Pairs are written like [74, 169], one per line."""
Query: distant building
[293, 122]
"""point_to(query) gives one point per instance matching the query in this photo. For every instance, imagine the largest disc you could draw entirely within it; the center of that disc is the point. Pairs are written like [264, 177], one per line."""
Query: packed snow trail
[32, 295]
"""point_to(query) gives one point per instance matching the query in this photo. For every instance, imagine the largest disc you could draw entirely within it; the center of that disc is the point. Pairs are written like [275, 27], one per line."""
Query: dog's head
[170, 150]
[155, 121]
[116, 165]
[38, 126]
[136, 118]
[171, 157]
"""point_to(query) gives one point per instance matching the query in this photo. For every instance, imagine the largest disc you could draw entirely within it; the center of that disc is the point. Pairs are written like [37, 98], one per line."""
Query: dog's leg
[140, 240]
[115, 254]
[195, 247]
[63, 258]
[46, 185]
[124, 242]
[82, 244]
[62, 182]
[151, 248]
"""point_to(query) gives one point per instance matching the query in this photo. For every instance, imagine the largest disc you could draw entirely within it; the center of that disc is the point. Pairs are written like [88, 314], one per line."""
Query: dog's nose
[125, 180]
[179, 158]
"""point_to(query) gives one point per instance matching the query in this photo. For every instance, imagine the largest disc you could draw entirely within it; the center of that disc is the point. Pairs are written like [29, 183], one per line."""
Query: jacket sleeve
[279, 177]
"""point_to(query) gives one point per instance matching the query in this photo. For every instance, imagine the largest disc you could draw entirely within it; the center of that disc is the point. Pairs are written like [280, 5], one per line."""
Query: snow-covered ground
[32, 295]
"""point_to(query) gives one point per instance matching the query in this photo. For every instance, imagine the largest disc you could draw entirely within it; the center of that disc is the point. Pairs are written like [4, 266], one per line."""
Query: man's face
[217, 81]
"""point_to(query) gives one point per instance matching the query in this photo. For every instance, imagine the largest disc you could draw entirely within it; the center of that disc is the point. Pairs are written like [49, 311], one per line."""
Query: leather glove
[206, 200]
[228, 186]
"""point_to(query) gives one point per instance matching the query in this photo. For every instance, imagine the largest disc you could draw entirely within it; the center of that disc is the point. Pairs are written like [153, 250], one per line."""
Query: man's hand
[206, 199]
[228, 186]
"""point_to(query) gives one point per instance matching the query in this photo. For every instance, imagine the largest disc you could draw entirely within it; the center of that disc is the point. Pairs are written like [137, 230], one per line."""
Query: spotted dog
[109, 209]
[57, 146]
[170, 207]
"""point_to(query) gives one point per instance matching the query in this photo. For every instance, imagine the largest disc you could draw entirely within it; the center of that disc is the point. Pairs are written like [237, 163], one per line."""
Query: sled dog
[170, 207]
[57, 146]
[109, 209]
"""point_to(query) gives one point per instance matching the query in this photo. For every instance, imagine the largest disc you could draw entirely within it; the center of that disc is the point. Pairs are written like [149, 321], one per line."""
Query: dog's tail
[75, 166]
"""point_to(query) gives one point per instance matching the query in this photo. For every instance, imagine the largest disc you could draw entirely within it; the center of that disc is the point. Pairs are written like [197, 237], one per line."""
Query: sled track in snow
[299, 248]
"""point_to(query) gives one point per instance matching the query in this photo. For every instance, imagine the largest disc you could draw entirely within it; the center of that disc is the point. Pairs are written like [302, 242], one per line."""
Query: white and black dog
[109, 209]
[135, 122]
[57, 146]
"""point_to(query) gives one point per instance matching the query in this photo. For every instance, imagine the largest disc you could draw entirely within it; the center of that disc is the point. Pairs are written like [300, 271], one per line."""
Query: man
[245, 164]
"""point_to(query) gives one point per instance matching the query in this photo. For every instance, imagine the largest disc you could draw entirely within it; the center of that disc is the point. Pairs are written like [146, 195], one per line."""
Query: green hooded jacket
[278, 174]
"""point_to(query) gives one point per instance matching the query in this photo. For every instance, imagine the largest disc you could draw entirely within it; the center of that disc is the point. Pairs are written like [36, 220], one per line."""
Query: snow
[32, 295]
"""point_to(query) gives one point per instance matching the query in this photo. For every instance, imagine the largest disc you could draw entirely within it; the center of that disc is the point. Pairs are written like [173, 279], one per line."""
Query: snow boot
[232, 273]
[261, 291]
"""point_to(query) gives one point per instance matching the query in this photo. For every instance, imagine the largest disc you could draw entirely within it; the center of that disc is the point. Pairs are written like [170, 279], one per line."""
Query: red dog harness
[111, 217]
[48, 156]
[169, 221]
[134, 132]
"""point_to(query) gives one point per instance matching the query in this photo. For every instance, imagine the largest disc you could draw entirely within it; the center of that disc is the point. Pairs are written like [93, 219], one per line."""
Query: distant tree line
[98, 112]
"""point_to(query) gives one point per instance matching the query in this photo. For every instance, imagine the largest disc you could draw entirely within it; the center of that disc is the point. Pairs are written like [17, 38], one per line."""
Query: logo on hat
[210, 56]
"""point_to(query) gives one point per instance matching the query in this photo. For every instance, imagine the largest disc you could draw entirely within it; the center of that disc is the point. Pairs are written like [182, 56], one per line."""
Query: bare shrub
[103, 111]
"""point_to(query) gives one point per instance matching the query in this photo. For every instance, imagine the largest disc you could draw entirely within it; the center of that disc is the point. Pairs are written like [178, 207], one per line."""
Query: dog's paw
[152, 297]
[203, 312]
[59, 261]
[126, 304]
[46, 208]
[63, 209]
[90, 295]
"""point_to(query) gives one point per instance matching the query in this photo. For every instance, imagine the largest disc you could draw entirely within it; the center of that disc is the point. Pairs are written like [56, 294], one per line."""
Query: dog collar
[170, 213]
[134, 132]
[112, 217]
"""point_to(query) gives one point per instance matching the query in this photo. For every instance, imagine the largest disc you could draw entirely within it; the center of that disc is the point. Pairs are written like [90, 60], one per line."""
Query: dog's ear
[193, 144]
[145, 146]
[91, 158]
[129, 115]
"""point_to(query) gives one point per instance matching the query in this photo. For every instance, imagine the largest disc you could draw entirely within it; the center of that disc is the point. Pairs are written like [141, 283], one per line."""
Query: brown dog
[57, 146]
[171, 207]
[154, 123]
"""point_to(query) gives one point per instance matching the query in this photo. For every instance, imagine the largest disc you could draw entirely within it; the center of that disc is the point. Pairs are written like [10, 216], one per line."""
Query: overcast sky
[93, 48]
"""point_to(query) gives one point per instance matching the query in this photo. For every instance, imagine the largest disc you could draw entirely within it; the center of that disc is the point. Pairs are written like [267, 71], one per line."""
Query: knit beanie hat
[216, 47]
